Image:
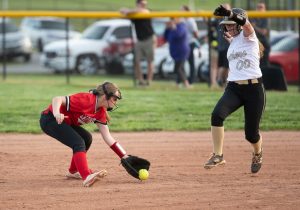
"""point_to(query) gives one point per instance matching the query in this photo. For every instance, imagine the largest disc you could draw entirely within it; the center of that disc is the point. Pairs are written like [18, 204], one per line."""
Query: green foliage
[159, 107]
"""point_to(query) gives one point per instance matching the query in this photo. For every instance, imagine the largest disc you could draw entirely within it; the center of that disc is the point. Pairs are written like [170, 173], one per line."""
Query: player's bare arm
[56, 104]
[248, 29]
[110, 141]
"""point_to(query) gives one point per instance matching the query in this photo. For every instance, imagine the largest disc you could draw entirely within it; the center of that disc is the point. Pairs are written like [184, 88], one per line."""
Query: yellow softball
[214, 43]
[143, 174]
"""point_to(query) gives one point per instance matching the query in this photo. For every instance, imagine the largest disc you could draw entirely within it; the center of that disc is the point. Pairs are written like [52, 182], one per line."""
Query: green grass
[104, 5]
[155, 108]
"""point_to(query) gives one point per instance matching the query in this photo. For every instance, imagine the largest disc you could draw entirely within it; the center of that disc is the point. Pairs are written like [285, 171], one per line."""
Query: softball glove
[133, 164]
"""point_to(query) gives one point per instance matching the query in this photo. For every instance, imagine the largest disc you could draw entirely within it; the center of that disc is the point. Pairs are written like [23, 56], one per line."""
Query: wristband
[118, 149]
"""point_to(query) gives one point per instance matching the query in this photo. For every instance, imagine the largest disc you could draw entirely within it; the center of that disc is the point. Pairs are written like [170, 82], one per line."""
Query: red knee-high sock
[81, 164]
[73, 167]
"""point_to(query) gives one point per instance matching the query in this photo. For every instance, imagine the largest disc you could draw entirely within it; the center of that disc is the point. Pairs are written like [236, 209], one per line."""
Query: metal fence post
[3, 48]
[133, 53]
[210, 38]
[67, 52]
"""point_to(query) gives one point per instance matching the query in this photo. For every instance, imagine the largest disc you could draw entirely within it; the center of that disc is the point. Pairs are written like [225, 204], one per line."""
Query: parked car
[43, 30]
[16, 43]
[161, 53]
[117, 49]
[97, 48]
[201, 64]
[285, 54]
[114, 55]
[276, 36]
[86, 53]
[164, 64]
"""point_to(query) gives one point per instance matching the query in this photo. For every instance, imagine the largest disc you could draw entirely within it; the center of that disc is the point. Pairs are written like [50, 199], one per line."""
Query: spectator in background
[146, 41]
[193, 42]
[176, 34]
[261, 27]
[222, 48]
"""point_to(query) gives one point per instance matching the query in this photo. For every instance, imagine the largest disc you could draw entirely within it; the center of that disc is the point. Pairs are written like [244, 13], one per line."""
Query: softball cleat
[75, 175]
[214, 161]
[256, 162]
[94, 177]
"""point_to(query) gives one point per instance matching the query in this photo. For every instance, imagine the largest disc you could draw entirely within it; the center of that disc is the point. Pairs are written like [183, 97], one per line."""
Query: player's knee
[252, 137]
[88, 142]
[216, 119]
[79, 148]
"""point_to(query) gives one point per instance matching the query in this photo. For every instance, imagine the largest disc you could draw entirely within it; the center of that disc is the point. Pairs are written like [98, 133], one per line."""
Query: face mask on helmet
[234, 30]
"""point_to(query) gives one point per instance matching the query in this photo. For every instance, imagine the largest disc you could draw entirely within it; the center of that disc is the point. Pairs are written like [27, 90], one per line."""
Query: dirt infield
[33, 168]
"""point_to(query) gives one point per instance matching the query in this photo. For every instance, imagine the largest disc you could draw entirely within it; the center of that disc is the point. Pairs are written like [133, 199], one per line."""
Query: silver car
[44, 30]
[16, 43]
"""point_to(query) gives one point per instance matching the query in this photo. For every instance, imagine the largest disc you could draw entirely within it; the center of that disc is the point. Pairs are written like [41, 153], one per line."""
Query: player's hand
[60, 118]
[222, 11]
[124, 11]
[227, 36]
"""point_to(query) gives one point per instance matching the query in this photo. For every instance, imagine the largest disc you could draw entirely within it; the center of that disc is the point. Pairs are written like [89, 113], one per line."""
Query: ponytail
[261, 49]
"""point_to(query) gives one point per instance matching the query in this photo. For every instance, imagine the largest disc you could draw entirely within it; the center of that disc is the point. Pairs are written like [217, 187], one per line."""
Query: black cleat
[256, 162]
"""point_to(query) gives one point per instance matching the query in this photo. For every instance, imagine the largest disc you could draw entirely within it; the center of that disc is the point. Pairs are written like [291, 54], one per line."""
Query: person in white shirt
[244, 86]
[193, 42]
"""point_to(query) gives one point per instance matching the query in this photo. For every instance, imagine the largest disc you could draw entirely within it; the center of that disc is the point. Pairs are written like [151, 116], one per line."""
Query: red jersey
[81, 109]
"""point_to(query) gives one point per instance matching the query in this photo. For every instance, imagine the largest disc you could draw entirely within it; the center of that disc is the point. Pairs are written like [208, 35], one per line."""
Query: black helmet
[240, 12]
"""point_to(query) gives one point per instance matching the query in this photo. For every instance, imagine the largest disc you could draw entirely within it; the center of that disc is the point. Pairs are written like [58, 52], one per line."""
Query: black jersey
[143, 28]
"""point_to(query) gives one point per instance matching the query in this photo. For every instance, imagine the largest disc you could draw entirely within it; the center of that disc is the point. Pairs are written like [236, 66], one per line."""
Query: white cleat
[94, 177]
[76, 175]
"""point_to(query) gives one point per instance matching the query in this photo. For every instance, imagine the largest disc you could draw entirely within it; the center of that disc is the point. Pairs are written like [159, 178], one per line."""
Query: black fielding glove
[133, 164]
[222, 11]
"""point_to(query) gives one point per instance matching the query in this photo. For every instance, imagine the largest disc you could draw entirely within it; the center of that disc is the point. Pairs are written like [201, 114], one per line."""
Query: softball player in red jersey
[244, 87]
[63, 118]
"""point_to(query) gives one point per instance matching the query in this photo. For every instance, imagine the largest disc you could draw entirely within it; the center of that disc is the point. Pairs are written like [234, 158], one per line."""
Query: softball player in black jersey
[244, 87]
